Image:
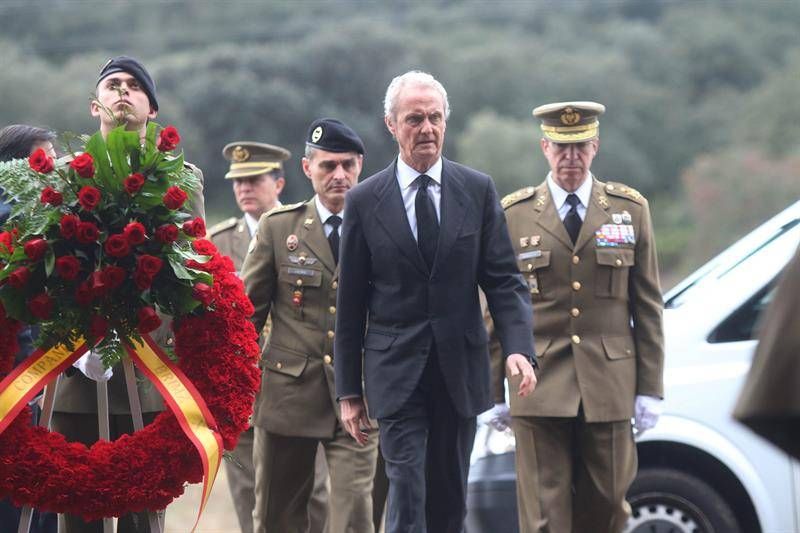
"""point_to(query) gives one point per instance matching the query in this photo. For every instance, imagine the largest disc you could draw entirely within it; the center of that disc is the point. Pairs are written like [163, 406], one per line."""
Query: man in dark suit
[418, 240]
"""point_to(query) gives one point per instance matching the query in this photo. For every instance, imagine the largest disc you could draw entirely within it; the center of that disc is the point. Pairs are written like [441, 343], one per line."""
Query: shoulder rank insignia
[222, 226]
[284, 208]
[517, 196]
[623, 191]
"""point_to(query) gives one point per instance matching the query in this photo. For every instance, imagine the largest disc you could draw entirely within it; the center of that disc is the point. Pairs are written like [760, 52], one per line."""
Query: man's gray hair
[310, 152]
[412, 77]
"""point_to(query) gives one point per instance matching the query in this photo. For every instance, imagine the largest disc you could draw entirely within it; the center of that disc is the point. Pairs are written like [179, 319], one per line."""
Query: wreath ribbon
[191, 411]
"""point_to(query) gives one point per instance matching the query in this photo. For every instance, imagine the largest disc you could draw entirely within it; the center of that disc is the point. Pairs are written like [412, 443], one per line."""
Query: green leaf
[120, 142]
[96, 147]
[49, 261]
[14, 304]
[168, 166]
[180, 270]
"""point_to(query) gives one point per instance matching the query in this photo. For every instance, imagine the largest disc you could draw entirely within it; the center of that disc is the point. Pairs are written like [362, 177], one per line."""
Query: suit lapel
[314, 236]
[548, 215]
[453, 209]
[391, 214]
[596, 215]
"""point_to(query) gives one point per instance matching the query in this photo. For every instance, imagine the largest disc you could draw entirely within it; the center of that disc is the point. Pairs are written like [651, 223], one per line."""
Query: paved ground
[219, 516]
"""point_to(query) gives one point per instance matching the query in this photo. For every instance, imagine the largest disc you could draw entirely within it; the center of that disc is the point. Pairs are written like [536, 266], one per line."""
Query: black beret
[333, 135]
[135, 69]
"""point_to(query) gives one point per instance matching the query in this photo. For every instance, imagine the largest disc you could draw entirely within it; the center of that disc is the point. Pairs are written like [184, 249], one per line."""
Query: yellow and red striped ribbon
[189, 408]
[29, 377]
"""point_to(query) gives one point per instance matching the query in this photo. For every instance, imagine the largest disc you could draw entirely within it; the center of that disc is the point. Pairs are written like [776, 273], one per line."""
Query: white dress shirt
[324, 213]
[252, 223]
[584, 194]
[406, 178]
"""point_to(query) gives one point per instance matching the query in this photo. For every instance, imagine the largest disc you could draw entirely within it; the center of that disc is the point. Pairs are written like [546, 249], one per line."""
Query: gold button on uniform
[299, 282]
[618, 262]
[278, 365]
[332, 310]
[576, 339]
[575, 311]
[530, 267]
[334, 285]
[170, 341]
[575, 259]
[330, 334]
[327, 358]
[576, 285]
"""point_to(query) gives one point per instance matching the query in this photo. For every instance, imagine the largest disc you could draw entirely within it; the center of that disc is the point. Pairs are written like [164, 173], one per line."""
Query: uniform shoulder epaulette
[623, 191]
[517, 196]
[222, 226]
[284, 208]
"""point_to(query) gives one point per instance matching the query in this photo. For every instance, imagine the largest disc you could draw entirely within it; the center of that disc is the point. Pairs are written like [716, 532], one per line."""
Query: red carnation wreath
[67, 278]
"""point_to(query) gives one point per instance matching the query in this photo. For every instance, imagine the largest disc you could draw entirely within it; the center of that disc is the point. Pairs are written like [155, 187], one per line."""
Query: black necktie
[427, 223]
[333, 239]
[573, 220]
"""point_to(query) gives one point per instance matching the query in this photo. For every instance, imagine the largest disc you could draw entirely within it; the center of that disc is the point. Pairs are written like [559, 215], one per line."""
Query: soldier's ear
[306, 167]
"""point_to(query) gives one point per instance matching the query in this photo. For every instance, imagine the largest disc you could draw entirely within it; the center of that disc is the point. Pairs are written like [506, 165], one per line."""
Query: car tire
[665, 500]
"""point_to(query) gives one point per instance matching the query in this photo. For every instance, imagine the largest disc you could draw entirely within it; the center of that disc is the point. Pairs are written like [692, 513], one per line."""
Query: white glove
[92, 367]
[646, 411]
[498, 417]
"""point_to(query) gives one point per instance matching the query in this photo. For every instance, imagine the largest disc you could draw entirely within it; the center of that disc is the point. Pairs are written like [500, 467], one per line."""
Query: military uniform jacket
[78, 394]
[290, 259]
[231, 237]
[597, 305]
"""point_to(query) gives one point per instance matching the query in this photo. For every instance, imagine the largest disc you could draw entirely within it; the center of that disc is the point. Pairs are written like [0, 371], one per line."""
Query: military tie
[427, 223]
[333, 239]
[573, 220]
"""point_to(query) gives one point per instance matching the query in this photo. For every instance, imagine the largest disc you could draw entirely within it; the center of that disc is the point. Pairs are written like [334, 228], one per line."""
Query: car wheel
[671, 501]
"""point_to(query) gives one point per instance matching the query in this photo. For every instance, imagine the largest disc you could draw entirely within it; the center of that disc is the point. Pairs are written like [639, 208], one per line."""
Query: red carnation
[51, 196]
[174, 197]
[135, 233]
[195, 227]
[168, 139]
[149, 264]
[142, 280]
[167, 233]
[204, 247]
[7, 239]
[35, 249]
[113, 276]
[68, 267]
[86, 232]
[69, 225]
[98, 326]
[19, 278]
[83, 165]
[203, 293]
[41, 306]
[89, 197]
[41, 162]
[117, 245]
[83, 294]
[133, 183]
[148, 320]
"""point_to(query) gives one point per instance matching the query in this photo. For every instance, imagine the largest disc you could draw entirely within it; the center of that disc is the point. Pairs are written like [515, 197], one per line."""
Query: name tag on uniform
[302, 271]
[610, 235]
[529, 255]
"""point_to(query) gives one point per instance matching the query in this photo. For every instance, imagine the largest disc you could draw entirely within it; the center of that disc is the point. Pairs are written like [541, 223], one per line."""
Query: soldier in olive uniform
[125, 92]
[291, 274]
[587, 251]
[770, 402]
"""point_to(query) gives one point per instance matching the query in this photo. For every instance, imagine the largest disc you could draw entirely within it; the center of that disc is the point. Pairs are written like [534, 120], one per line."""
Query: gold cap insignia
[570, 117]
[239, 154]
[316, 135]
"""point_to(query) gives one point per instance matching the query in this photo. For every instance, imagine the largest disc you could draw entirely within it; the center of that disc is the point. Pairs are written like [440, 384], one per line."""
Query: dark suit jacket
[393, 307]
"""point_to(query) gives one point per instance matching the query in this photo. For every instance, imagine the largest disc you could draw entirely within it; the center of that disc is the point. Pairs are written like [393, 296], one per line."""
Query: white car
[699, 470]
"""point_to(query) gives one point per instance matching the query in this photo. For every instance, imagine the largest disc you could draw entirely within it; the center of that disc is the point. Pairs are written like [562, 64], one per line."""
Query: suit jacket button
[576, 285]
[327, 358]
[576, 339]
[575, 259]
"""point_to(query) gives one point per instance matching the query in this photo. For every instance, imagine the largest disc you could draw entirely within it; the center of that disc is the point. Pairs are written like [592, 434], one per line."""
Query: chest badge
[535, 240]
[523, 242]
[292, 242]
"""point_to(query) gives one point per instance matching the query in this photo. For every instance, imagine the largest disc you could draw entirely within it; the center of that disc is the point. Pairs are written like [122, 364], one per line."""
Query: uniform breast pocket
[613, 268]
[537, 273]
[298, 284]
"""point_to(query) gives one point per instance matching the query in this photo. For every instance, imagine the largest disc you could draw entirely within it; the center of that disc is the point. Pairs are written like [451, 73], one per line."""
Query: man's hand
[646, 411]
[517, 364]
[355, 419]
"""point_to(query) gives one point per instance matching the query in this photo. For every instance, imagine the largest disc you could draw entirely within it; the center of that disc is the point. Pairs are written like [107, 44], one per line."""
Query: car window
[742, 324]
